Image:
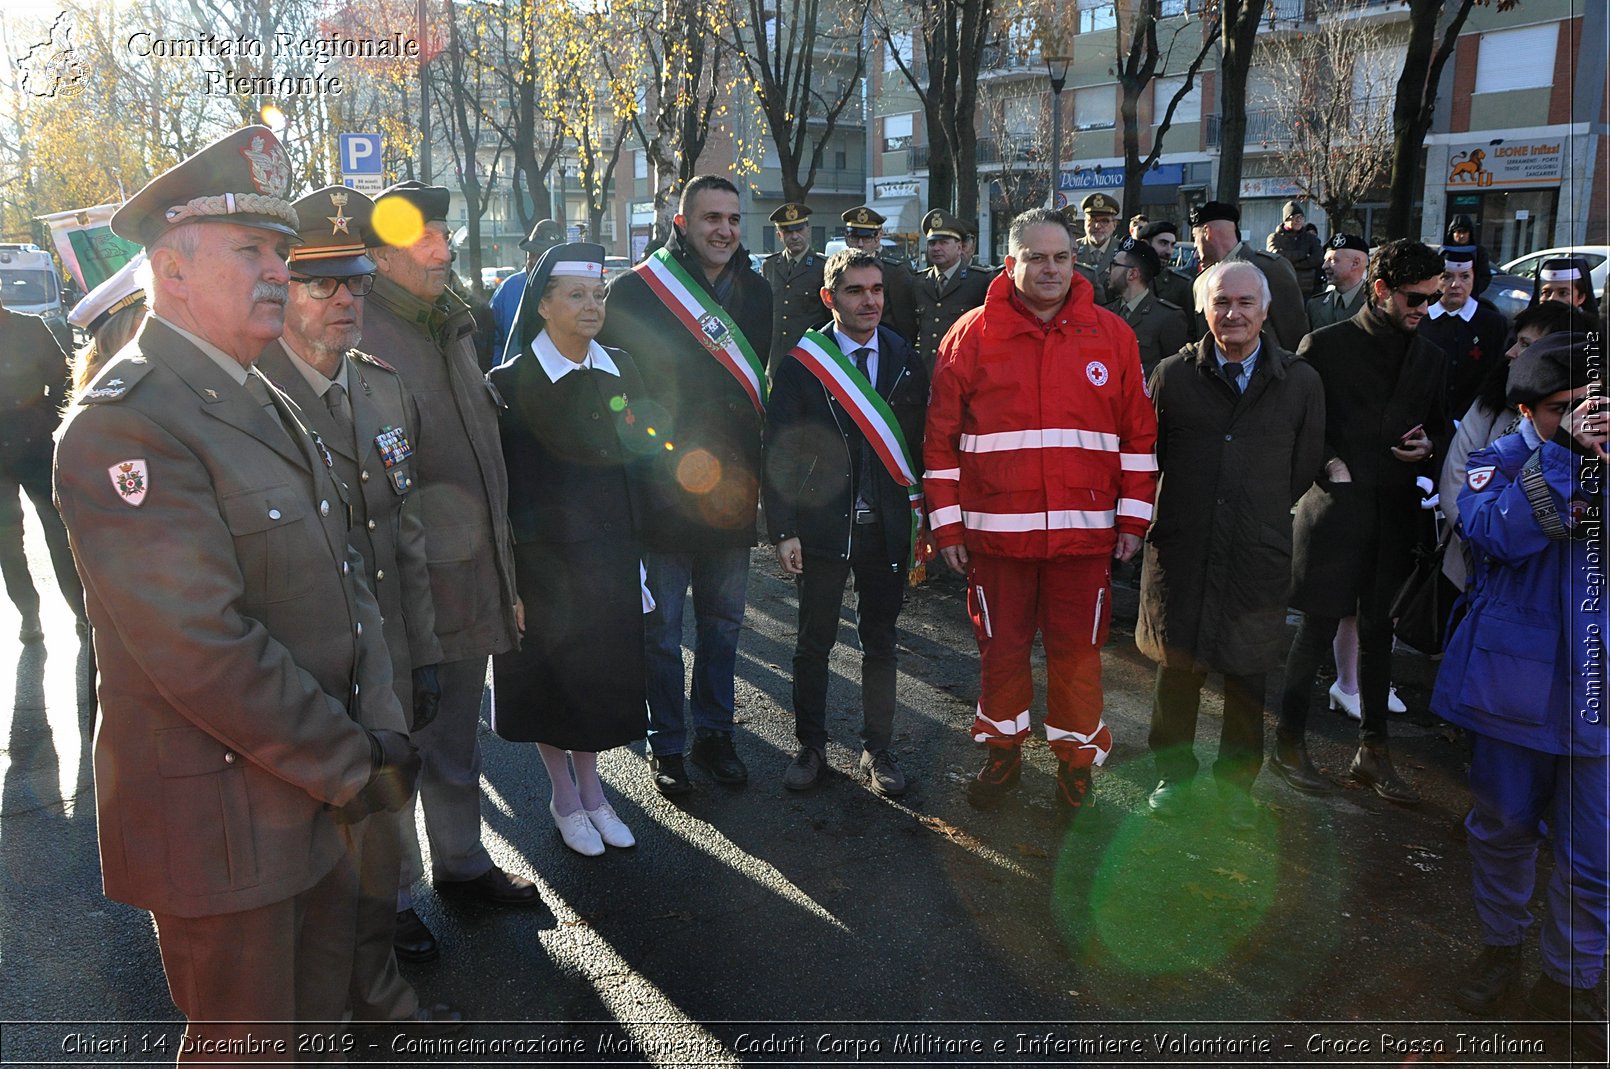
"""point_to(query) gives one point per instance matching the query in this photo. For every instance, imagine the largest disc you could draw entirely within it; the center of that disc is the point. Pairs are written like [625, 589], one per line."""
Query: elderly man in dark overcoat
[1240, 437]
[1357, 527]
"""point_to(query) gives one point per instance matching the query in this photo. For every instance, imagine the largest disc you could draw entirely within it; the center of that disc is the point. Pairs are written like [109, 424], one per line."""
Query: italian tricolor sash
[707, 321]
[837, 372]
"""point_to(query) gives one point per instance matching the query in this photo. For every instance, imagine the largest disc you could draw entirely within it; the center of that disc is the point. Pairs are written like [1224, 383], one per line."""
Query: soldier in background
[863, 229]
[1171, 283]
[1137, 225]
[795, 275]
[950, 287]
[1347, 258]
[1097, 248]
[1217, 229]
[1300, 246]
[1159, 325]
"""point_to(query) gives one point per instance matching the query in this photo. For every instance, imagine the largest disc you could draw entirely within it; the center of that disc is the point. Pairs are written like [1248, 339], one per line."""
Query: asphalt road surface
[761, 927]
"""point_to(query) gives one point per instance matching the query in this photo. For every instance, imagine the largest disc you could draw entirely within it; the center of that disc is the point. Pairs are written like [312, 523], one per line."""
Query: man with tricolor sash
[1039, 470]
[697, 320]
[844, 495]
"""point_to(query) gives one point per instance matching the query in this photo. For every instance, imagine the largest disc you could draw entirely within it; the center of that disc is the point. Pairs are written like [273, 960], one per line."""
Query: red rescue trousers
[1068, 601]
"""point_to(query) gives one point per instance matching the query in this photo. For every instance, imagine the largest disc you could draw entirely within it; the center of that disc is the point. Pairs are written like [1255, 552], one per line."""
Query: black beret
[242, 178]
[1142, 251]
[431, 201]
[1213, 210]
[1162, 226]
[1348, 241]
[334, 228]
[1552, 363]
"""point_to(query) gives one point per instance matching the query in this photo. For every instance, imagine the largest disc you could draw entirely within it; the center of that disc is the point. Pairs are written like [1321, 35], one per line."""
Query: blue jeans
[719, 578]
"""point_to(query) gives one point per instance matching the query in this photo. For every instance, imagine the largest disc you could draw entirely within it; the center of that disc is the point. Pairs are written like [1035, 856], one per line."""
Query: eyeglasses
[323, 287]
[1415, 300]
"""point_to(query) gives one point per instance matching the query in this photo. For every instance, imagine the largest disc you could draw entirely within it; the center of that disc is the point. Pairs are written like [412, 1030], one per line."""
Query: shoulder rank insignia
[130, 480]
[393, 447]
[370, 358]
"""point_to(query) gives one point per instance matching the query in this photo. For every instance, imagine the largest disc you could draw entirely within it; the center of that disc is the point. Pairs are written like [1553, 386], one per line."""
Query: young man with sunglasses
[1357, 527]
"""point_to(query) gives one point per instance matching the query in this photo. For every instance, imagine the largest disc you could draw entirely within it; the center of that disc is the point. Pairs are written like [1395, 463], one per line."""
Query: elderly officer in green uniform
[1347, 261]
[863, 229]
[362, 411]
[247, 714]
[1159, 325]
[950, 287]
[426, 332]
[1217, 229]
[1099, 245]
[795, 275]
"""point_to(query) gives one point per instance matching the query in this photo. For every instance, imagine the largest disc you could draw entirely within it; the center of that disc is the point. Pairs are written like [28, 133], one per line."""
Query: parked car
[491, 276]
[1511, 287]
[615, 265]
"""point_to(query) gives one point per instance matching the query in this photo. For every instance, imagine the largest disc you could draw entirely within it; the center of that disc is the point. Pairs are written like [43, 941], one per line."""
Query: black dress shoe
[1290, 762]
[670, 775]
[413, 941]
[31, 630]
[496, 887]
[713, 752]
[1372, 766]
[1490, 980]
[1583, 1008]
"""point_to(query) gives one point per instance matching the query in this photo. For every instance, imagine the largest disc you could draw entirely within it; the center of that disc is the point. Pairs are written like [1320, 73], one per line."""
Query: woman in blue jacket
[1525, 675]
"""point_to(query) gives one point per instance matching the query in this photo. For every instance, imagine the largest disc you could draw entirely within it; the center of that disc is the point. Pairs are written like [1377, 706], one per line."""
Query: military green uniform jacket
[377, 466]
[899, 297]
[941, 303]
[1099, 259]
[240, 655]
[1286, 316]
[1159, 327]
[1324, 309]
[796, 297]
[1174, 285]
[463, 485]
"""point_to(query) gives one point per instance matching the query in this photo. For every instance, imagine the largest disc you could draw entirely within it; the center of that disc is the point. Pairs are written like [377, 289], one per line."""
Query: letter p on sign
[360, 154]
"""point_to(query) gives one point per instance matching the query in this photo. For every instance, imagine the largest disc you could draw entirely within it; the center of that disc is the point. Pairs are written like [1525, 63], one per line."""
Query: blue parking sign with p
[360, 154]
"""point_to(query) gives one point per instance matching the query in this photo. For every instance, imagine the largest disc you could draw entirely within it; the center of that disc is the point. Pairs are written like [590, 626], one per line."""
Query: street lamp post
[1056, 65]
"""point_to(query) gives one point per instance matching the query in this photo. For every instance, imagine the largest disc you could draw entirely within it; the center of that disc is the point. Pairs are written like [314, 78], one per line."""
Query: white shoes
[577, 831]
[1349, 703]
[609, 826]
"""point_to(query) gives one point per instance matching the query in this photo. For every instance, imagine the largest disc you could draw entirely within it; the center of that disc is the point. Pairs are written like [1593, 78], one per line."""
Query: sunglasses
[1415, 300]
[322, 288]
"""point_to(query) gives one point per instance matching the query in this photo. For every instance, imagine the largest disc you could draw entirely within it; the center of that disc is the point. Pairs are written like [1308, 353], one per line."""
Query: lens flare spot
[617, 403]
[397, 222]
[652, 433]
[699, 472]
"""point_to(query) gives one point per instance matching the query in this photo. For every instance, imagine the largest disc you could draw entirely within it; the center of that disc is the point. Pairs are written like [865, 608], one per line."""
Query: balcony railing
[1273, 126]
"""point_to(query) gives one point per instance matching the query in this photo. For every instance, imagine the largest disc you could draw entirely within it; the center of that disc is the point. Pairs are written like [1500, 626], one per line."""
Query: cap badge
[270, 166]
[338, 221]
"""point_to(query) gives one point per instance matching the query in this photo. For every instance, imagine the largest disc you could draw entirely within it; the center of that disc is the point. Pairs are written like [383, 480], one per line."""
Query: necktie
[336, 398]
[865, 494]
[1232, 374]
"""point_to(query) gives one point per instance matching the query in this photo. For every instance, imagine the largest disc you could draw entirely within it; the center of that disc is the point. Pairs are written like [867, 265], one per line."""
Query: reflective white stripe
[1085, 741]
[1049, 438]
[1137, 510]
[1065, 520]
[1001, 728]
[948, 514]
[1137, 462]
[952, 474]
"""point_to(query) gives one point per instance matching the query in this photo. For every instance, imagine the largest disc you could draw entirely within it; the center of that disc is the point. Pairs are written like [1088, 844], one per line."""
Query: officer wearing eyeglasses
[366, 419]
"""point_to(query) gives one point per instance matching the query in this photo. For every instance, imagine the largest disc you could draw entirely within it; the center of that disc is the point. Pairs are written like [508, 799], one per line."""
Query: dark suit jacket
[239, 652]
[813, 449]
[388, 527]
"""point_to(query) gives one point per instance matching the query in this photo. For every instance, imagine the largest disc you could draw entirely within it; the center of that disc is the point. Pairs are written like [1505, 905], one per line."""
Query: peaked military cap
[334, 228]
[431, 201]
[1140, 250]
[117, 291]
[941, 224]
[1348, 241]
[544, 235]
[791, 216]
[1215, 210]
[863, 221]
[242, 178]
[1099, 204]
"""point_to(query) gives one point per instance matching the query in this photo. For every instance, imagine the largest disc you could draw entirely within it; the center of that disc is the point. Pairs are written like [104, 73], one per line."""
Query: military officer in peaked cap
[361, 409]
[795, 275]
[950, 286]
[247, 712]
[1217, 229]
[863, 229]
[1347, 261]
[1097, 248]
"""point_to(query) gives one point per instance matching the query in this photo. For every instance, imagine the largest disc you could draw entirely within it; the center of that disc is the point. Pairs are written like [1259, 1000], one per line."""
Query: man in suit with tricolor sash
[843, 495]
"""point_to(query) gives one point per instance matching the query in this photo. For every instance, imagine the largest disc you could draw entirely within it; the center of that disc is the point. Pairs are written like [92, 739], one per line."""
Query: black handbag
[1423, 609]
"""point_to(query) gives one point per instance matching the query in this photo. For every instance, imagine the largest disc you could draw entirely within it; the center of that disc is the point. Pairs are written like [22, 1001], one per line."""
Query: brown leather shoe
[496, 887]
[1290, 762]
[1372, 766]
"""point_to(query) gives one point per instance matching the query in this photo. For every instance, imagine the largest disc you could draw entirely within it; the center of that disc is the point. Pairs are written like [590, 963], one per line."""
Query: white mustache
[278, 292]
